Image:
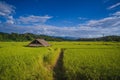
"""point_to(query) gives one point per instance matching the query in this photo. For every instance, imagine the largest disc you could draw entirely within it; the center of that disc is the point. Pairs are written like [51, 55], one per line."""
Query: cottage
[39, 42]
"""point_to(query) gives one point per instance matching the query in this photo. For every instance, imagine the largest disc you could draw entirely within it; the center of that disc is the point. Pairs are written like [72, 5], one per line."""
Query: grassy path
[59, 68]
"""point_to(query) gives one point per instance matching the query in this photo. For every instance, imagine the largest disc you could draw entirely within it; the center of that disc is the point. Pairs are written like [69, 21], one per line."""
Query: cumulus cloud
[32, 19]
[116, 14]
[113, 6]
[106, 22]
[93, 28]
[6, 12]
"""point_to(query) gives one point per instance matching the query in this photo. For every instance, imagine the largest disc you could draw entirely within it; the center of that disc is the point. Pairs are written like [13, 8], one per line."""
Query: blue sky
[74, 18]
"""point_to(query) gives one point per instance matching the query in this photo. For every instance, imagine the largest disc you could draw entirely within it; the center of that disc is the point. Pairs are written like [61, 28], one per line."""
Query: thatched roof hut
[39, 42]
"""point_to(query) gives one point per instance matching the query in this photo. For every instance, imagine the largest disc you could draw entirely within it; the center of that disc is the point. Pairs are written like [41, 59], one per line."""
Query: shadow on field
[27, 46]
[59, 71]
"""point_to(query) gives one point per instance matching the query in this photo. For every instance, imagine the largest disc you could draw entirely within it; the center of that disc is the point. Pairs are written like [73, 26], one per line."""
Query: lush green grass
[86, 45]
[18, 62]
[82, 60]
[93, 63]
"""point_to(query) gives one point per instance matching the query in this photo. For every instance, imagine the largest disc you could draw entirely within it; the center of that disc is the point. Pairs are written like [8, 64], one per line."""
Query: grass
[86, 45]
[92, 64]
[18, 62]
[81, 60]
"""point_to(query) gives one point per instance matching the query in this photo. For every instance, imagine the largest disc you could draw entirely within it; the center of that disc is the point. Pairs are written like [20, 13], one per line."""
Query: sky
[63, 18]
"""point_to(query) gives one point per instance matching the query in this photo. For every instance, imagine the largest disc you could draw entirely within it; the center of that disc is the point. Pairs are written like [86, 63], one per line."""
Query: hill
[106, 38]
[30, 36]
[26, 37]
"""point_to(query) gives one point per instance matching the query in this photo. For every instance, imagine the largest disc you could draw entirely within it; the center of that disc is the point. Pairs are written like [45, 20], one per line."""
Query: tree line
[30, 36]
[106, 38]
[26, 37]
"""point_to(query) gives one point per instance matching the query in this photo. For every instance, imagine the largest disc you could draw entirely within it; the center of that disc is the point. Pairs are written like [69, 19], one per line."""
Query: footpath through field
[59, 71]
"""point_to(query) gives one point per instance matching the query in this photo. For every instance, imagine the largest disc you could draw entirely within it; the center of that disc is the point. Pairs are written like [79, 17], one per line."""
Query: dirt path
[59, 72]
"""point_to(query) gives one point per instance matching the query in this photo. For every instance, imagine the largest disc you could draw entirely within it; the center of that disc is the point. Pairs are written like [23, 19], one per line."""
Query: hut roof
[39, 42]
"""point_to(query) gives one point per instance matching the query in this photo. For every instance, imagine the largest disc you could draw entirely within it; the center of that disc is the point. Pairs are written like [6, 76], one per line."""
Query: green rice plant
[92, 64]
[18, 62]
[85, 45]
[52, 57]
[81, 61]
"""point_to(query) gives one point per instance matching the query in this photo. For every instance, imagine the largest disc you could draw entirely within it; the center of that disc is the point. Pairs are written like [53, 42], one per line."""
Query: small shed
[39, 42]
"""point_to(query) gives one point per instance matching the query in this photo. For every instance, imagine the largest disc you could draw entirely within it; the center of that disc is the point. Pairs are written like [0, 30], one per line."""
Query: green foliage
[30, 36]
[106, 38]
[26, 37]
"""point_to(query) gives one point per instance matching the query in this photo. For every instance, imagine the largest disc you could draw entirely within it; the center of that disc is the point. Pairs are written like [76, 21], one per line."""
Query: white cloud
[10, 21]
[31, 19]
[6, 11]
[116, 14]
[113, 6]
[93, 28]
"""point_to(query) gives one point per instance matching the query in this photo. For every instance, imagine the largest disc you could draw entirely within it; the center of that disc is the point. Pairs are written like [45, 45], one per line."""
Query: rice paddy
[80, 61]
